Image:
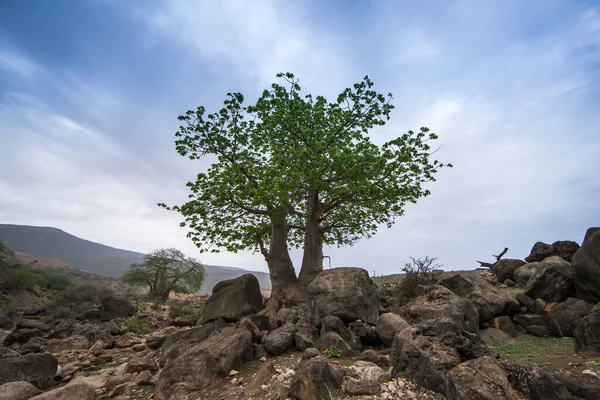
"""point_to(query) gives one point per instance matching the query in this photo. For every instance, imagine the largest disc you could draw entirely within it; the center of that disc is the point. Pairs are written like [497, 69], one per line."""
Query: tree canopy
[299, 171]
[165, 271]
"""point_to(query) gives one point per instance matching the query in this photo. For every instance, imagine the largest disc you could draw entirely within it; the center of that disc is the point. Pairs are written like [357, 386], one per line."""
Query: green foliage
[333, 352]
[185, 309]
[138, 326]
[74, 301]
[6, 256]
[164, 271]
[21, 277]
[352, 184]
[55, 281]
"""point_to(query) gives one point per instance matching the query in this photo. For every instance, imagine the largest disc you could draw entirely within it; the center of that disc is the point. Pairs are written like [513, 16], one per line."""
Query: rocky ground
[528, 329]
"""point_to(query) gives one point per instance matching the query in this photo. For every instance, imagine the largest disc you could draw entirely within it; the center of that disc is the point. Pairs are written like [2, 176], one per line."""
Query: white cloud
[13, 63]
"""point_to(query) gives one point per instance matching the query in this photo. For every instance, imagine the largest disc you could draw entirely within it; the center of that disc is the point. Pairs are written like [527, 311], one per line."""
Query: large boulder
[565, 249]
[233, 299]
[535, 324]
[19, 390]
[281, 339]
[6, 322]
[479, 379]
[363, 378]
[587, 333]
[331, 340]
[114, 307]
[490, 301]
[388, 325]
[32, 324]
[586, 266]
[525, 272]
[552, 281]
[347, 293]
[540, 251]
[316, 379]
[563, 385]
[505, 324]
[200, 365]
[22, 335]
[437, 302]
[72, 391]
[494, 337]
[37, 369]
[590, 232]
[505, 268]
[568, 314]
[334, 324]
[424, 353]
[180, 342]
[366, 333]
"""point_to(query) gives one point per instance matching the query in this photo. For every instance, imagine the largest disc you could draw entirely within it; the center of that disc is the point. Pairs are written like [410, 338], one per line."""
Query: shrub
[185, 309]
[419, 272]
[137, 325]
[333, 351]
[20, 277]
[73, 301]
[55, 281]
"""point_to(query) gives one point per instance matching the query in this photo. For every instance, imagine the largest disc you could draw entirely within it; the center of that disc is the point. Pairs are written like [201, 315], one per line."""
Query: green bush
[55, 281]
[185, 309]
[333, 351]
[20, 277]
[137, 325]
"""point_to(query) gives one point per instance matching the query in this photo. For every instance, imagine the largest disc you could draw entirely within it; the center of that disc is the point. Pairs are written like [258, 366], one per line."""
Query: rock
[72, 391]
[304, 340]
[249, 325]
[334, 324]
[38, 369]
[540, 251]
[69, 369]
[22, 336]
[128, 339]
[531, 304]
[388, 325]
[525, 272]
[155, 342]
[137, 365]
[505, 324]
[178, 343]
[259, 351]
[332, 339]
[363, 378]
[490, 301]
[310, 353]
[563, 385]
[286, 315]
[281, 339]
[197, 367]
[113, 307]
[565, 249]
[317, 379]
[587, 333]
[143, 378]
[366, 333]
[505, 268]
[347, 293]
[19, 390]
[5, 352]
[262, 377]
[95, 333]
[510, 283]
[495, 337]
[438, 302]
[552, 281]
[479, 379]
[374, 357]
[590, 232]
[233, 299]
[5, 322]
[71, 343]
[568, 314]
[32, 324]
[534, 324]
[586, 269]
[425, 352]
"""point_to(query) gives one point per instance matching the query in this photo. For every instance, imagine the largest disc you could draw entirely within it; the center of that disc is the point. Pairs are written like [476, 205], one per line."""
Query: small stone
[280, 378]
[234, 381]
[233, 372]
[590, 372]
[263, 359]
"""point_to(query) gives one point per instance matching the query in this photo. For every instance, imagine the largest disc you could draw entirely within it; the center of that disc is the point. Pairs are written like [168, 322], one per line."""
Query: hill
[53, 243]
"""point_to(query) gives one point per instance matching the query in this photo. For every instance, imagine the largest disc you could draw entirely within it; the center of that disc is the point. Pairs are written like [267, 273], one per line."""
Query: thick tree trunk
[281, 268]
[312, 259]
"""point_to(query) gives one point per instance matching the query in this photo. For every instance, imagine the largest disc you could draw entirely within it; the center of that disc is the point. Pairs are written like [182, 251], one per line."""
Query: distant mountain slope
[96, 257]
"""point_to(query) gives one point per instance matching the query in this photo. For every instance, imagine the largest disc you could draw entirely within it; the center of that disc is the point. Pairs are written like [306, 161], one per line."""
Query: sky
[90, 92]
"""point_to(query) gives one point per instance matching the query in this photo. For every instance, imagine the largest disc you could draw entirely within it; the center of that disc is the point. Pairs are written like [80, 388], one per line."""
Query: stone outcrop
[552, 281]
[586, 268]
[19, 390]
[388, 325]
[505, 268]
[479, 379]
[489, 300]
[113, 307]
[37, 369]
[568, 314]
[316, 379]
[281, 339]
[347, 293]
[438, 302]
[587, 333]
[233, 299]
[525, 272]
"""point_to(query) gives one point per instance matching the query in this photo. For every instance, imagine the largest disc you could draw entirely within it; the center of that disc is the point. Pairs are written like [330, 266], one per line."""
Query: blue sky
[90, 92]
